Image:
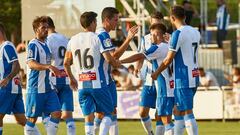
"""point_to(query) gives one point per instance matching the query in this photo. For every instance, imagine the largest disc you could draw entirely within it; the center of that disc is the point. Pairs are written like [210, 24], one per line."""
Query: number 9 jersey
[86, 50]
[185, 42]
[58, 45]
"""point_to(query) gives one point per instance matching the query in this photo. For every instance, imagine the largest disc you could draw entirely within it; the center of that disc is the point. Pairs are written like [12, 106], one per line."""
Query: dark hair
[178, 12]
[109, 12]
[87, 18]
[159, 26]
[157, 15]
[50, 22]
[201, 69]
[37, 21]
[2, 29]
[186, 2]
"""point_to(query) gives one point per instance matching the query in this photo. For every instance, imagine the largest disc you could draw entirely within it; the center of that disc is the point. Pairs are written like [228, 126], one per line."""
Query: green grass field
[135, 128]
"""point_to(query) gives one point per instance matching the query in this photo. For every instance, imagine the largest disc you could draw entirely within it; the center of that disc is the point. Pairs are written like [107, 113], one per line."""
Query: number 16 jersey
[88, 60]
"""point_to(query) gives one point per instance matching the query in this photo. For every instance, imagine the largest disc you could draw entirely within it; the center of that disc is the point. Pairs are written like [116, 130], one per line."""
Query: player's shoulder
[102, 33]
[33, 42]
[8, 43]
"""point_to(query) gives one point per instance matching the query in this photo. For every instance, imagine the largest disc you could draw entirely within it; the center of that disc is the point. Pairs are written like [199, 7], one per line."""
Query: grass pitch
[135, 128]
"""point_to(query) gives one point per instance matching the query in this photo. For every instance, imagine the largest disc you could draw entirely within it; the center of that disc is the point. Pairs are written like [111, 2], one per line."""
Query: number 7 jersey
[88, 60]
[185, 42]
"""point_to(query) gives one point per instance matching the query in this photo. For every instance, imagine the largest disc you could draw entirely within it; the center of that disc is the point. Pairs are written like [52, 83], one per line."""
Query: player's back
[58, 45]
[186, 42]
[87, 60]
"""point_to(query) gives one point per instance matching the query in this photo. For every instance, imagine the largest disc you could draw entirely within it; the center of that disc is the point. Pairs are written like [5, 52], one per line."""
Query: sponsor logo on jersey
[171, 83]
[16, 81]
[30, 53]
[195, 73]
[87, 76]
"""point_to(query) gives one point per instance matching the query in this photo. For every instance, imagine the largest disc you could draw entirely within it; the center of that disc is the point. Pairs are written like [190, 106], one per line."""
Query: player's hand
[118, 64]
[4, 82]
[132, 32]
[73, 84]
[54, 70]
[167, 37]
[154, 76]
[136, 72]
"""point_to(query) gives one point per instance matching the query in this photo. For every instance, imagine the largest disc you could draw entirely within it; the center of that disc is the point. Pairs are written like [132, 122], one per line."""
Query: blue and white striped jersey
[147, 68]
[7, 56]
[222, 18]
[185, 42]
[164, 83]
[58, 45]
[108, 46]
[38, 81]
[88, 60]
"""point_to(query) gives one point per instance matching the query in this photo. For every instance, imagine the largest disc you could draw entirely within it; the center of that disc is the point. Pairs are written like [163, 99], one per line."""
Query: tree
[10, 17]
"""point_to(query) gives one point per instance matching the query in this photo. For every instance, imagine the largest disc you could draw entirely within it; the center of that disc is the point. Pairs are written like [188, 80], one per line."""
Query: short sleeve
[141, 48]
[10, 53]
[175, 41]
[32, 52]
[152, 53]
[106, 43]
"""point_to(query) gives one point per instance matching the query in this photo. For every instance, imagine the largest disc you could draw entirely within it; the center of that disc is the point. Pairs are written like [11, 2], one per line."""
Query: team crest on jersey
[107, 43]
[30, 54]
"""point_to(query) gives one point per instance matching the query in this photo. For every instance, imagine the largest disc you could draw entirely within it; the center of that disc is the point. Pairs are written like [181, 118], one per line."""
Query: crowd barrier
[209, 103]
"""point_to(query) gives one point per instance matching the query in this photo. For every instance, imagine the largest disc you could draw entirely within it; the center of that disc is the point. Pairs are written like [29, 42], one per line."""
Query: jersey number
[61, 54]
[85, 60]
[194, 45]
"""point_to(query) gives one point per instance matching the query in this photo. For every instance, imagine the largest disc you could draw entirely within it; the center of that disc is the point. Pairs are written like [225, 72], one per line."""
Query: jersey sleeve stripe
[174, 40]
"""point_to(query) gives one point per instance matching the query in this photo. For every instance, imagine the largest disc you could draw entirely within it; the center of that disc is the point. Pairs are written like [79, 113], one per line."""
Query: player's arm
[133, 58]
[14, 72]
[67, 67]
[108, 57]
[166, 62]
[119, 51]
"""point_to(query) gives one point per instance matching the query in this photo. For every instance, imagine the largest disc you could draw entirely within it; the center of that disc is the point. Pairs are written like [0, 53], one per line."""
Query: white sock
[191, 124]
[45, 120]
[37, 132]
[114, 126]
[71, 128]
[105, 125]
[169, 129]
[52, 126]
[97, 123]
[160, 129]
[89, 128]
[31, 129]
[147, 125]
[179, 125]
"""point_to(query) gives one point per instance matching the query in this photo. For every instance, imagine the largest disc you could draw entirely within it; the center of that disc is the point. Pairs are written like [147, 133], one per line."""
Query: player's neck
[50, 31]
[106, 28]
[40, 39]
[179, 24]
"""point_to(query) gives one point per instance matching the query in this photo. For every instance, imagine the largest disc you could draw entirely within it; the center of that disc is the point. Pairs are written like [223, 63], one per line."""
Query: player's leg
[87, 105]
[179, 124]
[104, 103]
[1, 123]
[190, 121]
[18, 110]
[114, 126]
[97, 121]
[52, 106]
[165, 109]
[185, 106]
[66, 100]
[148, 100]
[34, 108]
[160, 129]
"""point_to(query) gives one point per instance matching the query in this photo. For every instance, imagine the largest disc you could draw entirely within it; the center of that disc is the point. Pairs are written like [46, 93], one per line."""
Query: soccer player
[148, 94]
[183, 51]
[58, 45]
[88, 55]
[10, 85]
[164, 84]
[110, 17]
[41, 96]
